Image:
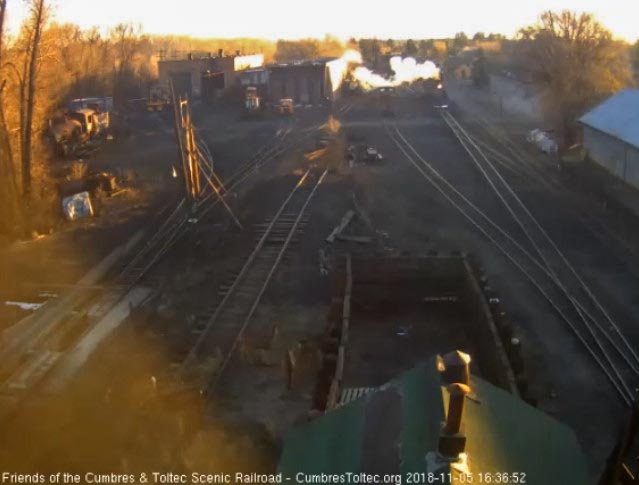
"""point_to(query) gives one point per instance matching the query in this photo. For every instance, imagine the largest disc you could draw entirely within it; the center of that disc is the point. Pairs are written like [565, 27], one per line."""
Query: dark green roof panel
[504, 434]
[330, 444]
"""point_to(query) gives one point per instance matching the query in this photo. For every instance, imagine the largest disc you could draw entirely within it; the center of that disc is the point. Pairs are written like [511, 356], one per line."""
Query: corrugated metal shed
[393, 429]
[618, 116]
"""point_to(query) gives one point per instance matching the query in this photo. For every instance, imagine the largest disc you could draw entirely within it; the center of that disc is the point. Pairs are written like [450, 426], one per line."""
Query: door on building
[182, 83]
[212, 85]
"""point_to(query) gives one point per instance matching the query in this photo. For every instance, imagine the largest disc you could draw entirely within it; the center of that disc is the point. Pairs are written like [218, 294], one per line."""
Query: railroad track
[499, 145]
[173, 227]
[539, 259]
[154, 247]
[502, 149]
[345, 108]
[282, 143]
[176, 224]
[220, 332]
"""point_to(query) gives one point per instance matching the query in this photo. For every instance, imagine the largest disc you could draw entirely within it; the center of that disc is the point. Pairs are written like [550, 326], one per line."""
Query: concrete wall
[613, 154]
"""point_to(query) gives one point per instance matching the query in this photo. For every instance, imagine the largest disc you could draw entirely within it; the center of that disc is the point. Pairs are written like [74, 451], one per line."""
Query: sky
[292, 19]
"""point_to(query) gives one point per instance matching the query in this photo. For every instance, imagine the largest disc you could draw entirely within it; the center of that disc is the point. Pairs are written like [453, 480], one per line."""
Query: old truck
[372, 155]
[88, 121]
[252, 106]
[285, 107]
[66, 134]
[158, 99]
[101, 107]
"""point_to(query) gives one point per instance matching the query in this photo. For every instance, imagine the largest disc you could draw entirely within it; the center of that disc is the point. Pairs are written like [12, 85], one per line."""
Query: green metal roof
[329, 444]
[392, 429]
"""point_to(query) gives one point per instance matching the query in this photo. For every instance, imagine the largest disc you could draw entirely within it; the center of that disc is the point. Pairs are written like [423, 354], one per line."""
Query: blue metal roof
[618, 116]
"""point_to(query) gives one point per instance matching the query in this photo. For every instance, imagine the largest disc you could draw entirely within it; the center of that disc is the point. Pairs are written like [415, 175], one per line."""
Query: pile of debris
[363, 154]
[353, 233]
[77, 195]
[544, 140]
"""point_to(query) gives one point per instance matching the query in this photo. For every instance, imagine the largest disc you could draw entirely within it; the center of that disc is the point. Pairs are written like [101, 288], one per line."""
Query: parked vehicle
[252, 105]
[88, 121]
[66, 133]
[102, 107]
[285, 107]
[373, 155]
[158, 99]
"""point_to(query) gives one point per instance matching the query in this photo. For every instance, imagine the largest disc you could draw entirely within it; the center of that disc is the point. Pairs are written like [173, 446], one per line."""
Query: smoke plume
[406, 70]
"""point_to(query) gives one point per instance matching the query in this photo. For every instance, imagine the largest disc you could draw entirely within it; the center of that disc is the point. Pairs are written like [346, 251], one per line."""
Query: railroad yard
[313, 273]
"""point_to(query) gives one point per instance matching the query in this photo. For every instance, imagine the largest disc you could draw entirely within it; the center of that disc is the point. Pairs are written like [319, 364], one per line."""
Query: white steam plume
[405, 70]
[339, 67]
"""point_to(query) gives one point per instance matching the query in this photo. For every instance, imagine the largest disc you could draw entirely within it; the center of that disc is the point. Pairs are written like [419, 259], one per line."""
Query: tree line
[44, 65]
[572, 59]
[575, 63]
[435, 49]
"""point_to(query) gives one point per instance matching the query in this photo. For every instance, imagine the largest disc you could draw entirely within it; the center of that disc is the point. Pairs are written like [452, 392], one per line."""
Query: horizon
[442, 20]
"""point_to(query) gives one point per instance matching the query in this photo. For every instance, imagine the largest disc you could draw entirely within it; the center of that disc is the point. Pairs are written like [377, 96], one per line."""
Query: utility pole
[192, 158]
[186, 144]
[176, 103]
[191, 152]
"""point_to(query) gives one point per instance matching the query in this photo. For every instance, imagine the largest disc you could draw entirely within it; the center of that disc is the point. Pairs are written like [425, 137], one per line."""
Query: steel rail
[247, 170]
[174, 230]
[165, 228]
[398, 140]
[464, 140]
[274, 267]
[558, 251]
[583, 314]
[591, 223]
[510, 146]
[528, 256]
[505, 161]
[245, 268]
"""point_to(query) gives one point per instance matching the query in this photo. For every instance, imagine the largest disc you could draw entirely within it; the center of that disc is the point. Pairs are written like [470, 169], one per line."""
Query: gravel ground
[564, 378]
[255, 403]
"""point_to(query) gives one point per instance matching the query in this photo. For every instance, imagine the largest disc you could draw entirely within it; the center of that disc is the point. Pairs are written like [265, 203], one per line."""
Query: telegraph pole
[177, 103]
[191, 156]
[191, 152]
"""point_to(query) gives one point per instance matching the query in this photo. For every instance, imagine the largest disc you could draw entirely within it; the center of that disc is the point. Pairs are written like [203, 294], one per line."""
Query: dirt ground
[250, 415]
[34, 271]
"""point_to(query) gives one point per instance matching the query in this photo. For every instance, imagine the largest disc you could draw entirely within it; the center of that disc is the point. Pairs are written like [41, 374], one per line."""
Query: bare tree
[125, 39]
[634, 54]
[9, 189]
[411, 48]
[3, 15]
[575, 62]
[37, 21]
[296, 50]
